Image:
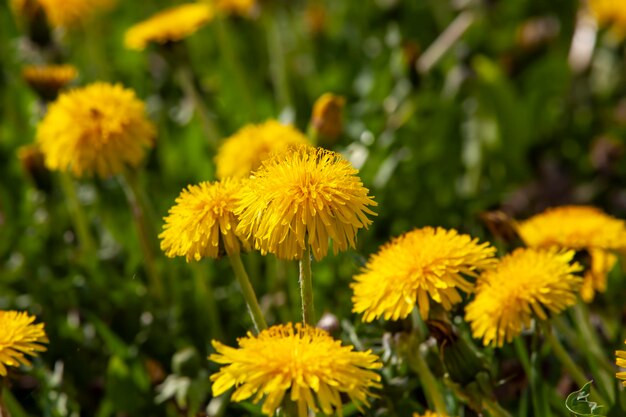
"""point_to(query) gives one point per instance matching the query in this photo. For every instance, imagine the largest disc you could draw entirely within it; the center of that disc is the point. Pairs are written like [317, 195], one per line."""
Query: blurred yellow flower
[579, 228]
[306, 361]
[169, 25]
[240, 7]
[610, 13]
[243, 152]
[416, 267]
[621, 362]
[61, 13]
[202, 223]
[101, 128]
[429, 413]
[306, 196]
[526, 282]
[19, 337]
[48, 80]
[327, 116]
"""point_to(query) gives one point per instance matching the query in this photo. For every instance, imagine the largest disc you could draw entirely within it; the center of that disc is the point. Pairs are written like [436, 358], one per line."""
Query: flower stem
[248, 292]
[429, 383]
[601, 368]
[494, 408]
[3, 410]
[81, 225]
[568, 363]
[306, 289]
[139, 210]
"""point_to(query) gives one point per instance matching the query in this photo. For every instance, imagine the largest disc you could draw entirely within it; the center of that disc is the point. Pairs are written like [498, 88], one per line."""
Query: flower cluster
[581, 228]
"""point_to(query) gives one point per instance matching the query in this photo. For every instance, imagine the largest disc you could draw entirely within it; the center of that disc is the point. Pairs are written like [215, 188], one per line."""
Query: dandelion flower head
[202, 223]
[61, 13]
[579, 228]
[19, 337]
[327, 115]
[243, 152]
[416, 267]
[169, 25]
[48, 80]
[526, 282]
[306, 196]
[429, 413]
[101, 128]
[610, 13]
[621, 362]
[305, 361]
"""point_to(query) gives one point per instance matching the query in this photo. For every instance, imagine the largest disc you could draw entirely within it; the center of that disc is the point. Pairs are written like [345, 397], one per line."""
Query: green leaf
[579, 405]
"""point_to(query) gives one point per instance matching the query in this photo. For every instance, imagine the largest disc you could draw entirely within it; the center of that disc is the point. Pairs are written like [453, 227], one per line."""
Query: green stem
[278, 66]
[85, 239]
[3, 410]
[139, 210]
[566, 360]
[494, 408]
[429, 383]
[248, 292]
[306, 289]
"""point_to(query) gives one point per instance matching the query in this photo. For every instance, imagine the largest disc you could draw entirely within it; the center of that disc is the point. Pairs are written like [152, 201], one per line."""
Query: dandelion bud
[327, 117]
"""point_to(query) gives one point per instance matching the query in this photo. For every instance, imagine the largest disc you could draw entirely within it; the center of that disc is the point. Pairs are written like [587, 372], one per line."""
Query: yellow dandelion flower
[327, 115]
[306, 361]
[579, 228]
[48, 80]
[243, 152]
[202, 223]
[621, 362]
[19, 337]
[99, 129]
[169, 25]
[429, 413]
[526, 282]
[240, 7]
[416, 267]
[305, 196]
[610, 13]
[68, 13]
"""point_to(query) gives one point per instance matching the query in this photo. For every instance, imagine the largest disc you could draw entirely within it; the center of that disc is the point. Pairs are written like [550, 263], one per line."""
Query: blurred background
[453, 109]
